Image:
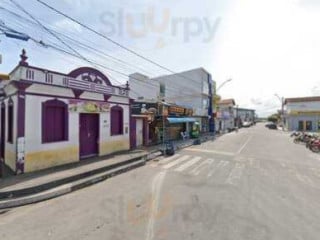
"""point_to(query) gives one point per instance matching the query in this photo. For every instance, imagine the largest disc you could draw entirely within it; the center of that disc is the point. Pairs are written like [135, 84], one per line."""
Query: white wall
[303, 106]
[141, 86]
[11, 147]
[188, 89]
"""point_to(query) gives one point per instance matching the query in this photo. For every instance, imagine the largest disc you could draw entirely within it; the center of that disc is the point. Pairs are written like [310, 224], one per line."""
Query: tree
[274, 118]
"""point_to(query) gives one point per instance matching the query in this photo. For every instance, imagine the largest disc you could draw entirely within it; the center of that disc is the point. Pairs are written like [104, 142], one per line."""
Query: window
[162, 90]
[309, 125]
[116, 121]
[54, 121]
[10, 121]
[300, 126]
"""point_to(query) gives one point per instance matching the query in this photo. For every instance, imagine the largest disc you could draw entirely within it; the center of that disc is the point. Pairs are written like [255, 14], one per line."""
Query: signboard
[175, 110]
[145, 108]
[88, 106]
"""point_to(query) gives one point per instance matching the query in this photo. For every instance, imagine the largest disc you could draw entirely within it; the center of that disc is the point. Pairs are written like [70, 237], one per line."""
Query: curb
[53, 184]
[67, 185]
[68, 188]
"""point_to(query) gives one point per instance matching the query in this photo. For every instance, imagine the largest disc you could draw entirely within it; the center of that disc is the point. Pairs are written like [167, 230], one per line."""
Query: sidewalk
[45, 184]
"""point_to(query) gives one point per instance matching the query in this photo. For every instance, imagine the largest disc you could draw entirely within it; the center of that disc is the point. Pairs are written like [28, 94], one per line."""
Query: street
[254, 184]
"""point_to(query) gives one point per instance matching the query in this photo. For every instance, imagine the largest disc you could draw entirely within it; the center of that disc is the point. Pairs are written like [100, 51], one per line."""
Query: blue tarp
[181, 120]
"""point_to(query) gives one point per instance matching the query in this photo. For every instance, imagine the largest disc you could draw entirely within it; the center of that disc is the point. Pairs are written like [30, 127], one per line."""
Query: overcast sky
[265, 46]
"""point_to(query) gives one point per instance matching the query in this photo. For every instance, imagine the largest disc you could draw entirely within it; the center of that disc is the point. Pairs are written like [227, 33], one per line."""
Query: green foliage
[274, 118]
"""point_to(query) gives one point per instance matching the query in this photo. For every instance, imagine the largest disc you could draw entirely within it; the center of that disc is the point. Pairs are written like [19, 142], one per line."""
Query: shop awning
[181, 120]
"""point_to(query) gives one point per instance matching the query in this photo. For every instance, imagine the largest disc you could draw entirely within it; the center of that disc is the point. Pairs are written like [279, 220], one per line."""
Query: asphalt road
[254, 184]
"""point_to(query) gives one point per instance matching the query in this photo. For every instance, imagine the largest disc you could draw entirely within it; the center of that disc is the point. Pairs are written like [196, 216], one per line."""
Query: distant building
[244, 115]
[225, 115]
[302, 114]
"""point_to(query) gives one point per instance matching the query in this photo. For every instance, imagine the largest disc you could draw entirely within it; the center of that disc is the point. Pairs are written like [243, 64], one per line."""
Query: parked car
[247, 124]
[271, 125]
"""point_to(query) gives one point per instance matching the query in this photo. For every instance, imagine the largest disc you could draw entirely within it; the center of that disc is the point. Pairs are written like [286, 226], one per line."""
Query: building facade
[166, 122]
[302, 114]
[226, 115]
[192, 89]
[244, 115]
[49, 118]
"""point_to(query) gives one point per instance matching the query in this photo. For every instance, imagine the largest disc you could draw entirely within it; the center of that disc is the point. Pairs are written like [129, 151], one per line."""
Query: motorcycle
[295, 134]
[302, 138]
[315, 146]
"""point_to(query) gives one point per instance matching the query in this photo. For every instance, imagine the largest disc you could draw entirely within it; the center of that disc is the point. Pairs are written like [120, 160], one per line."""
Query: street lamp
[281, 99]
[222, 84]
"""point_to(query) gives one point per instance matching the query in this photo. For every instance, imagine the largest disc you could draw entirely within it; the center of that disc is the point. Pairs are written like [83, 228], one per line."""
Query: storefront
[49, 118]
[164, 120]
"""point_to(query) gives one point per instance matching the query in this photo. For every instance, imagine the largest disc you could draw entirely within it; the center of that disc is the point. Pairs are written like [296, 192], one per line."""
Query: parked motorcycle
[315, 146]
[295, 134]
[302, 138]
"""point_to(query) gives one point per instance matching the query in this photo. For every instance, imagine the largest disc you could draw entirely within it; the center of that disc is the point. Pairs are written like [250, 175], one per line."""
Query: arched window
[55, 124]
[116, 121]
[10, 121]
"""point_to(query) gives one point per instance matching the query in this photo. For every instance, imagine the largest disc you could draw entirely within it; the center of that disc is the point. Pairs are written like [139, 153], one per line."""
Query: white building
[192, 89]
[226, 115]
[302, 114]
[49, 118]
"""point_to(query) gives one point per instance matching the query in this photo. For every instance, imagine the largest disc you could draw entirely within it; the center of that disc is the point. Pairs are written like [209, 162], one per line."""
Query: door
[2, 137]
[133, 133]
[89, 135]
[139, 132]
[3, 132]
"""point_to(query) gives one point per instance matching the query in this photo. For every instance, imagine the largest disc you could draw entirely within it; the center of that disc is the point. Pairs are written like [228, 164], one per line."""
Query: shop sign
[88, 106]
[144, 108]
[188, 112]
[175, 110]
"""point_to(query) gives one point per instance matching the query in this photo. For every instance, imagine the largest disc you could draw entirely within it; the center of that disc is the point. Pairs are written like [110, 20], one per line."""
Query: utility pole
[281, 99]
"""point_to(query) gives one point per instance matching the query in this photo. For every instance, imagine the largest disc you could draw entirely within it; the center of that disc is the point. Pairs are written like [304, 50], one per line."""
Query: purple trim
[3, 131]
[46, 120]
[21, 86]
[133, 130]
[21, 114]
[106, 97]
[91, 71]
[10, 120]
[145, 132]
[77, 93]
[84, 99]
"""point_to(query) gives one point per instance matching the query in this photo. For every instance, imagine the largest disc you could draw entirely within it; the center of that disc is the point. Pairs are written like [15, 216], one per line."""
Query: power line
[77, 53]
[109, 39]
[51, 32]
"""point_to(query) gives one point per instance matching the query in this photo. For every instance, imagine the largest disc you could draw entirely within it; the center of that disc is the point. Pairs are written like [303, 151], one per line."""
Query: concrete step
[69, 187]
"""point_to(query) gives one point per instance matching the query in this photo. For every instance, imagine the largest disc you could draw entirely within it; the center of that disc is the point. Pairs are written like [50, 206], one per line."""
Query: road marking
[198, 169]
[244, 145]
[176, 162]
[156, 189]
[209, 151]
[235, 174]
[166, 160]
[221, 164]
[188, 164]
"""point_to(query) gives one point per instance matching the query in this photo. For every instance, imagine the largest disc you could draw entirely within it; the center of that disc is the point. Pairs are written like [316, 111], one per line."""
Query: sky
[267, 47]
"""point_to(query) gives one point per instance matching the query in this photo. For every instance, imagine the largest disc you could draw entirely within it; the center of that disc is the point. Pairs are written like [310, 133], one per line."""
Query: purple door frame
[3, 131]
[133, 129]
[2, 137]
[88, 135]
